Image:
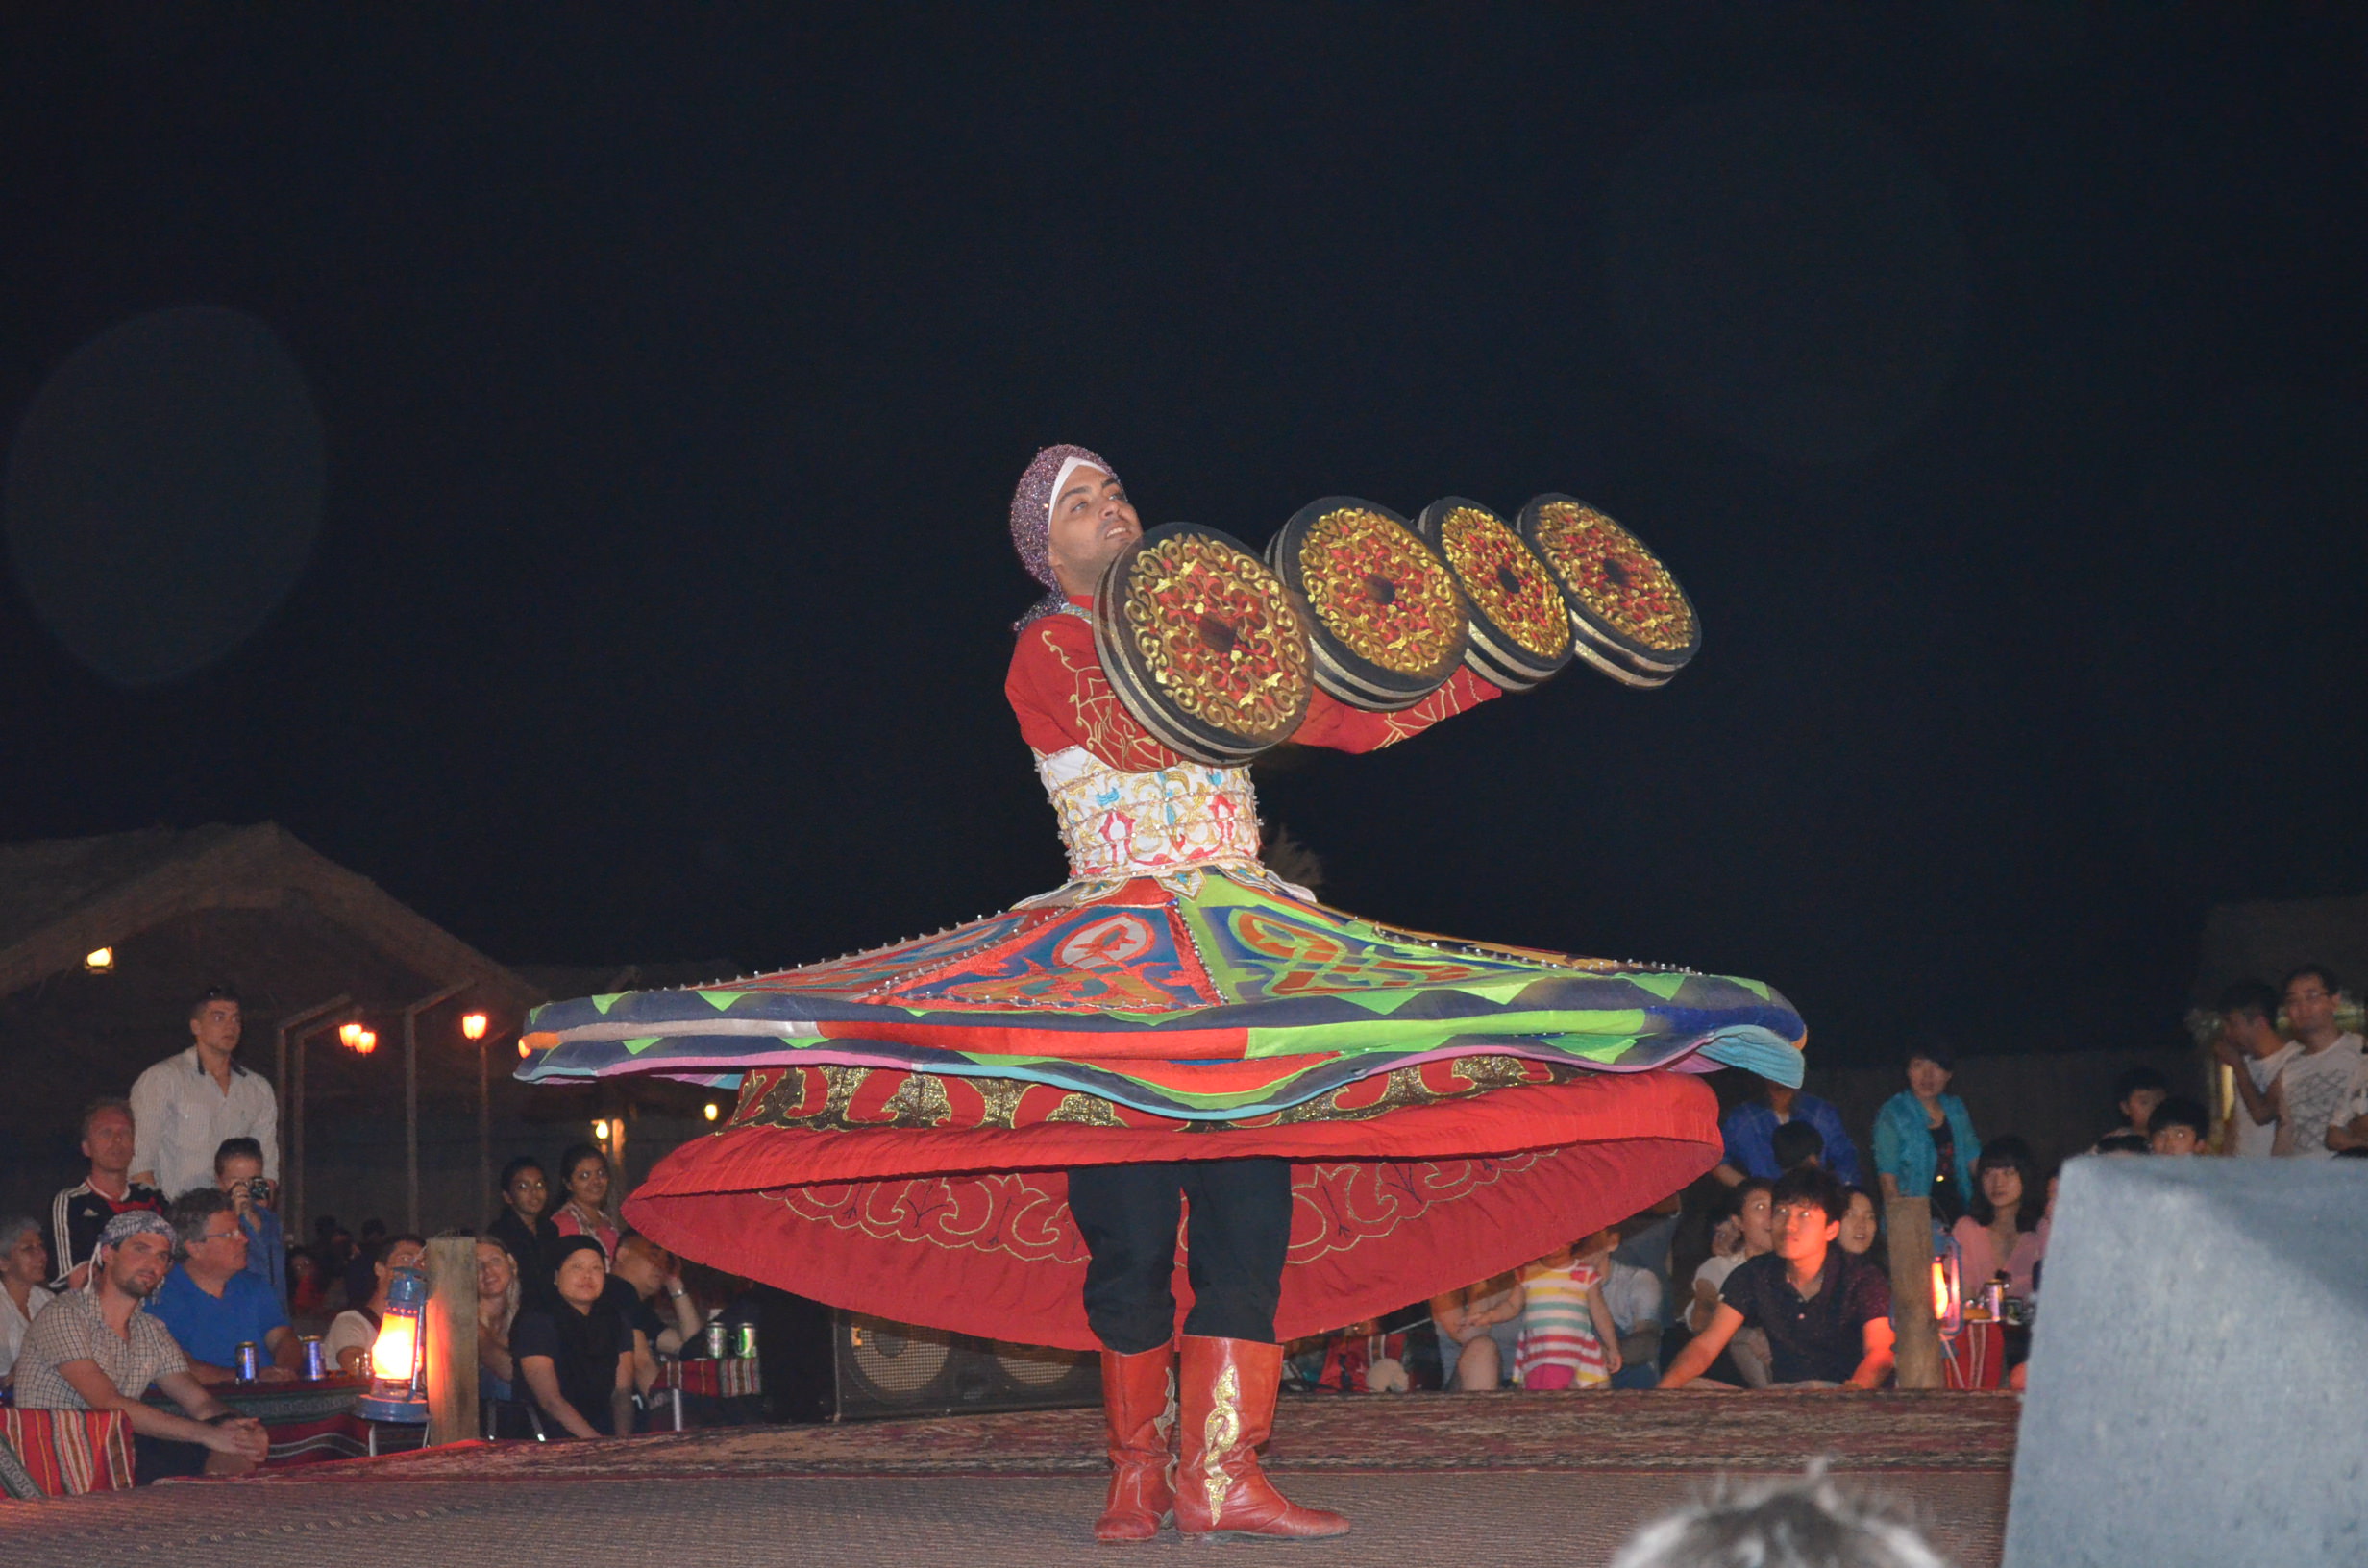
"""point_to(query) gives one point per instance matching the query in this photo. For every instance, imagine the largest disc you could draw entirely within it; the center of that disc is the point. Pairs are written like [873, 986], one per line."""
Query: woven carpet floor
[1503, 1480]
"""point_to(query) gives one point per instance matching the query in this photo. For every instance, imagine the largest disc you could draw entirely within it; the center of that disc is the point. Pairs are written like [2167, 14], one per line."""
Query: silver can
[745, 1342]
[719, 1336]
[315, 1362]
[249, 1358]
[1994, 1301]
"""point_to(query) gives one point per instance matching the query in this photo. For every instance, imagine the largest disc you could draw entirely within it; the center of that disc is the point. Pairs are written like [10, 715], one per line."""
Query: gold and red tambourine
[1520, 631]
[1631, 619]
[1204, 644]
[1387, 626]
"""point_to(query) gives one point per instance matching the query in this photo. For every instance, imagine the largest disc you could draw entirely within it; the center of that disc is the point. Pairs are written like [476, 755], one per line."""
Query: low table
[310, 1420]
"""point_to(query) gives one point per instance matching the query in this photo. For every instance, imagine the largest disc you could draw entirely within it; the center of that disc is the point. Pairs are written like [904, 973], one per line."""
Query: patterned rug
[1705, 1433]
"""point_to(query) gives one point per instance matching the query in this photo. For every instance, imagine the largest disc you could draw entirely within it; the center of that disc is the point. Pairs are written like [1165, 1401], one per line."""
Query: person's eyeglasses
[219, 1235]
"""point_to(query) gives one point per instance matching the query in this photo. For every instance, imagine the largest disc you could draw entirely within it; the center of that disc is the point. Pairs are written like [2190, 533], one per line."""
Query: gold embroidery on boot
[1217, 1436]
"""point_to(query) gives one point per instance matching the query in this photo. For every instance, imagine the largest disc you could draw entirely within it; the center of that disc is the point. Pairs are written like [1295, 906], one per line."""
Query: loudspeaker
[2199, 1367]
[823, 1364]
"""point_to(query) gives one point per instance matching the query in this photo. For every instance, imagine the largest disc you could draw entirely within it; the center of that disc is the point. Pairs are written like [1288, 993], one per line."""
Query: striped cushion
[66, 1452]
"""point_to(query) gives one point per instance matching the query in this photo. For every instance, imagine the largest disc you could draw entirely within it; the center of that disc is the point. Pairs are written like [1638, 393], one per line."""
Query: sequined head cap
[1031, 519]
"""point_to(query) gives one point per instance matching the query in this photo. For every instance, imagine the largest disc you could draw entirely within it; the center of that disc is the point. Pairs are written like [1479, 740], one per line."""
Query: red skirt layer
[971, 1231]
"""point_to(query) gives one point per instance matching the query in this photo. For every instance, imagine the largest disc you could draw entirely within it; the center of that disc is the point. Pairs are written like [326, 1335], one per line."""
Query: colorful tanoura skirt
[905, 1118]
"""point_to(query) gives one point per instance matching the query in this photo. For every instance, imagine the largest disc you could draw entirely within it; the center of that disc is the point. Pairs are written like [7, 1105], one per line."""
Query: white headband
[1069, 466]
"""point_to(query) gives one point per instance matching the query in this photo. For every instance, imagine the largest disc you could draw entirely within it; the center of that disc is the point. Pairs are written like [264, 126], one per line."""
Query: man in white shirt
[187, 1105]
[2314, 1088]
[2251, 1045]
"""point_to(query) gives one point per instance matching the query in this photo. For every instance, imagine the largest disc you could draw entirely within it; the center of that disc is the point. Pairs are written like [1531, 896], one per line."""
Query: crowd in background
[167, 1263]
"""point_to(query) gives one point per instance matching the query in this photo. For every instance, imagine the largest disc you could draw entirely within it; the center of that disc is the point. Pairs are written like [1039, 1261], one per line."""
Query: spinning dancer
[998, 1129]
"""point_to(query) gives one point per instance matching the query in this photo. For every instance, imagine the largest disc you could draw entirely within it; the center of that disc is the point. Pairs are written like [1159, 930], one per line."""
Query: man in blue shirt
[210, 1301]
[1749, 1132]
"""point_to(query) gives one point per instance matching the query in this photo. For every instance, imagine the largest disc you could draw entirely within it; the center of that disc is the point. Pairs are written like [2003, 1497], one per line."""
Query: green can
[744, 1341]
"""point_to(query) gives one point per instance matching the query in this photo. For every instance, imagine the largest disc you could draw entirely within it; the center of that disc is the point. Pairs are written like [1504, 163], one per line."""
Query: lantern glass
[473, 1026]
[396, 1387]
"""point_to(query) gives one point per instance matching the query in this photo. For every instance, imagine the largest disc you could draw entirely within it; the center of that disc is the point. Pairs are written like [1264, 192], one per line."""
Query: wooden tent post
[1908, 1222]
[450, 1323]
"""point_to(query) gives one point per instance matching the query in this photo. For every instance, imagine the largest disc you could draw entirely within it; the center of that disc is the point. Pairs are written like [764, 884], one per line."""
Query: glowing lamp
[349, 1035]
[397, 1386]
[600, 1132]
[1948, 1293]
[525, 1050]
[711, 1111]
[366, 1041]
[473, 1026]
[100, 959]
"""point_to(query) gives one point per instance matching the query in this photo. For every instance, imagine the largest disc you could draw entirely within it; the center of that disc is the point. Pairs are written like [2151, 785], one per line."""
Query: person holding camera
[238, 1170]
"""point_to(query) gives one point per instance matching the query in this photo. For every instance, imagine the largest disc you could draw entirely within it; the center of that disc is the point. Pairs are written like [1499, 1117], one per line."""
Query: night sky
[554, 459]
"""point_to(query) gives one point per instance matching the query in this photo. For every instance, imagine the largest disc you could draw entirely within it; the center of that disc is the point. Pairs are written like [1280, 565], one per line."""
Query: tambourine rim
[1344, 674]
[1586, 621]
[1503, 650]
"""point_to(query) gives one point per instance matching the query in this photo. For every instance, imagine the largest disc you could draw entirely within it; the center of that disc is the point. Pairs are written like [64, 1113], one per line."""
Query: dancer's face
[1091, 522]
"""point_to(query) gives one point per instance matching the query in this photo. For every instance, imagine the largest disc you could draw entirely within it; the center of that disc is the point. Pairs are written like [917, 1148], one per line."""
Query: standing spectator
[2135, 1094]
[24, 1264]
[1924, 1138]
[2181, 1126]
[184, 1105]
[2251, 1045]
[1478, 1325]
[1568, 1339]
[352, 1332]
[1861, 1227]
[212, 1304]
[574, 1353]
[2316, 1088]
[1749, 1133]
[95, 1350]
[644, 1272]
[1827, 1314]
[238, 1170]
[2005, 1228]
[586, 1210]
[522, 1225]
[78, 1213]
[497, 1309]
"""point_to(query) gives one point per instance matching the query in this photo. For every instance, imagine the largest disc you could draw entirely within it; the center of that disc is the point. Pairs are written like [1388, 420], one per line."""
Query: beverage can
[719, 1334]
[248, 1358]
[745, 1348]
[314, 1364]
[1994, 1301]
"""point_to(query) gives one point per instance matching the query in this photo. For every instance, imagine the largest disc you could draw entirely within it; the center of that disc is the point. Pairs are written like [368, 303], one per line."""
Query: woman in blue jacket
[1924, 1139]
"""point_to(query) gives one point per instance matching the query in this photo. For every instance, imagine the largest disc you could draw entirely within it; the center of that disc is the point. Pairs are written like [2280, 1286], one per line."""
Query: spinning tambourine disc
[1632, 620]
[1204, 644]
[1388, 626]
[1520, 629]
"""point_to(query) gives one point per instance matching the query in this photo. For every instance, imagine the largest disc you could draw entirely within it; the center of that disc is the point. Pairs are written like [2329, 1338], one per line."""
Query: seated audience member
[522, 1226]
[1478, 1325]
[1863, 1226]
[1791, 1525]
[2135, 1094]
[1749, 1131]
[1568, 1337]
[583, 1204]
[2348, 1134]
[2123, 1143]
[1797, 1143]
[78, 1213]
[346, 1346]
[1635, 1296]
[1924, 1137]
[2250, 1045]
[2178, 1125]
[575, 1352]
[238, 1170]
[1746, 1231]
[497, 1308]
[95, 1350]
[211, 1305]
[362, 1258]
[2314, 1090]
[24, 1264]
[2005, 1228]
[306, 1291]
[644, 1272]
[1827, 1314]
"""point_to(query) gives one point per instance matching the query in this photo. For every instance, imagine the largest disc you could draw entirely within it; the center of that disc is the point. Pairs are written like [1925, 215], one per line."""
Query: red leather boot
[1228, 1388]
[1134, 1401]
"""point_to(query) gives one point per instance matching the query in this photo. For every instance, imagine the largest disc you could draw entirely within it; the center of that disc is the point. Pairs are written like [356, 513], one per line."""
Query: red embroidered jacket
[1058, 688]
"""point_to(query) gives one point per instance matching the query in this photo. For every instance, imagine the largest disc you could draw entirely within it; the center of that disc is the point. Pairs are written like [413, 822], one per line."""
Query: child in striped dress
[1568, 1340]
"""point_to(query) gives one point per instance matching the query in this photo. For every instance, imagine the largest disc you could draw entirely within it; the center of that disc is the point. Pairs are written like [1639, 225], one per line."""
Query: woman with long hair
[587, 1209]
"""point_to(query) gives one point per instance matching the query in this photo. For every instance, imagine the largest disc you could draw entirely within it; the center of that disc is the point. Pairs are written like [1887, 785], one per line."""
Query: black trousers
[1240, 1228]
